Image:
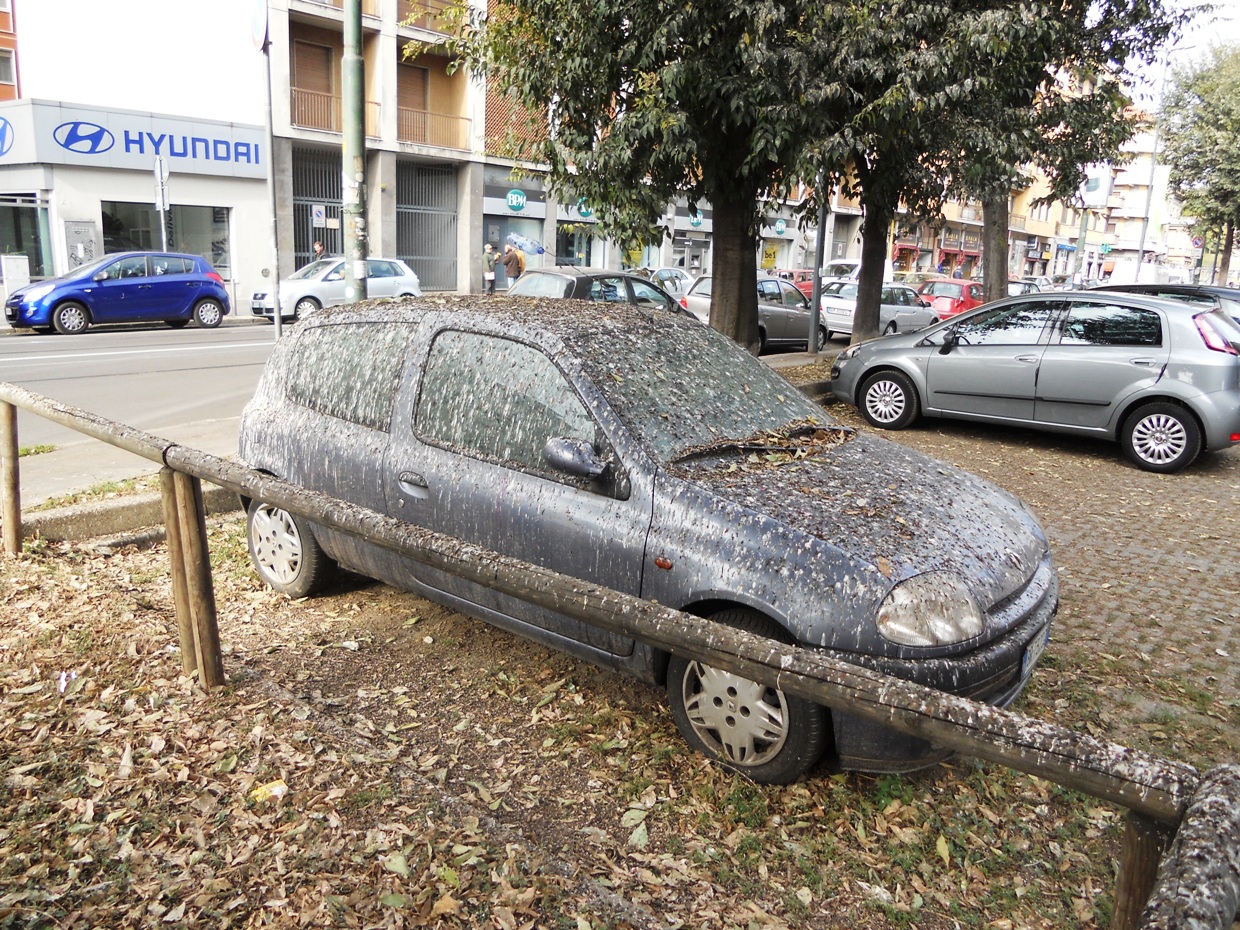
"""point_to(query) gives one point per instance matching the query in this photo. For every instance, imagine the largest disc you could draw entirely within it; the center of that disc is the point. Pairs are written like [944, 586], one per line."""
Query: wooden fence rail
[1156, 791]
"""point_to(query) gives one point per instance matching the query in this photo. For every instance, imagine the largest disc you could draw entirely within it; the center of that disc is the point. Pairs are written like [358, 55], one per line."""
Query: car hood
[888, 507]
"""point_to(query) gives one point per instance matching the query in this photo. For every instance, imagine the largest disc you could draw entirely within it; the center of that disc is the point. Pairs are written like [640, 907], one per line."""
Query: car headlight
[850, 352]
[38, 292]
[934, 609]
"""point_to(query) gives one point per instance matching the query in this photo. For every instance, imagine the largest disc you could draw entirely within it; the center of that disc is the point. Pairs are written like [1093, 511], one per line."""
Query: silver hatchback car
[322, 284]
[1160, 377]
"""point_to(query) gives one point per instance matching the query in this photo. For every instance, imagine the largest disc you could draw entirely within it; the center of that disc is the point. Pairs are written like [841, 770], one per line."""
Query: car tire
[71, 318]
[208, 313]
[305, 305]
[891, 329]
[761, 340]
[177, 324]
[1161, 437]
[888, 400]
[751, 728]
[284, 551]
[823, 336]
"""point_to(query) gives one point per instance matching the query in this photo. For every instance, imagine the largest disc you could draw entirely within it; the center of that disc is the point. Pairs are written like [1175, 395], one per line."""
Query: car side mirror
[100, 276]
[574, 457]
[334, 276]
[950, 341]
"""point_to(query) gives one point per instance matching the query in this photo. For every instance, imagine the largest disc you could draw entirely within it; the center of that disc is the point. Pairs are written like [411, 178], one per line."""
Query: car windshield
[692, 387]
[86, 271]
[313, 269]
[541, 285]
[942, 289]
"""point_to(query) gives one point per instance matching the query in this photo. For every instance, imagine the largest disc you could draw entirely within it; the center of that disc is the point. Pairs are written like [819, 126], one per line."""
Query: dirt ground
[438, 772]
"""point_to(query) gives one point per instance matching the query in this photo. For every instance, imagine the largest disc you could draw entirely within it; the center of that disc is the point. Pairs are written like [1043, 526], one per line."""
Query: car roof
[579, 271]
[147, 252]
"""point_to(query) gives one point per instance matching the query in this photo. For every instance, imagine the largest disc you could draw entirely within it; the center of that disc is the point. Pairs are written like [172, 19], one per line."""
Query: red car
[950, 296]
[802, 279]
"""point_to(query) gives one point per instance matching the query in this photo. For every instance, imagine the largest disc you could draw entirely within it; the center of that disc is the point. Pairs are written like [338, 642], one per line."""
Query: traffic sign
[1199, 242]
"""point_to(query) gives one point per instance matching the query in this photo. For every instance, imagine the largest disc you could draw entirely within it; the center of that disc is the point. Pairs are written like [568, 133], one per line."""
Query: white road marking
[196, 348]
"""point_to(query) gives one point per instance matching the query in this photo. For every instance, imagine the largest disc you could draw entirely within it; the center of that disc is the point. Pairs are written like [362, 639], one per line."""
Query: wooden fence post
[192, 519]
[1145, 841]
[176, 558]
[10, 482]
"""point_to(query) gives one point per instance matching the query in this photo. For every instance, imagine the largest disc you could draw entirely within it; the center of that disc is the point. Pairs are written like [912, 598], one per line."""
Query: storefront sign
[516, 200]
[781, 227]
[37, 132]
[695, 220]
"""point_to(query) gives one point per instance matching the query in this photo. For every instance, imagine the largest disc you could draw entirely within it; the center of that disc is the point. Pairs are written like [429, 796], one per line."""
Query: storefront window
[24, 231]
[193, 230]
[572, 244]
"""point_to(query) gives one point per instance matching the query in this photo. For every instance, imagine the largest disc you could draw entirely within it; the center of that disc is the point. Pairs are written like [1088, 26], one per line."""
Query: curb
[115, 517]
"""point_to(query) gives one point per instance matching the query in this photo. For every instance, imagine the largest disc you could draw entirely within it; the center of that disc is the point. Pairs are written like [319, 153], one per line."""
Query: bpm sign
[516, 200]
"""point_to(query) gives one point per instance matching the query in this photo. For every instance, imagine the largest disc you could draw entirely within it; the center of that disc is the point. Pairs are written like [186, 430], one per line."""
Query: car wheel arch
[1130, 406]
[706, 607]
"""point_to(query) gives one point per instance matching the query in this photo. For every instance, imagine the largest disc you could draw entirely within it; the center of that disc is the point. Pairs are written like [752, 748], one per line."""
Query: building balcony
[426, 128]
[369, 7]
[423, 14]
[1017, 221]
[313, 110]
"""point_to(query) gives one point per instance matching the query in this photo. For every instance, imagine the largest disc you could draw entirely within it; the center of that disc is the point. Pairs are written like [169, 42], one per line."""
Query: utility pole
[353, 160]
[820, 250]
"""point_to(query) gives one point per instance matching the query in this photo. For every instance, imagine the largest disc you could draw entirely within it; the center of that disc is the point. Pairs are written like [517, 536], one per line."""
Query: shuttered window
[312, 67]
[411, 87]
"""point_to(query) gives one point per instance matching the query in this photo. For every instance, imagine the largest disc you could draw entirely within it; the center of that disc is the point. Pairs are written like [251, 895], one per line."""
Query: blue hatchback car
[129, 287]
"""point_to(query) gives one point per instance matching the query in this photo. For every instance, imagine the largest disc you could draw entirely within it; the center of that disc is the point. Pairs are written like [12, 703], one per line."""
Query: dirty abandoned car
[647, 453]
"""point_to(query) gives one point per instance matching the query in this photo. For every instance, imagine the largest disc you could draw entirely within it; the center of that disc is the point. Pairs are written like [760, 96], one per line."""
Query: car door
[646, 295]
[797, 308]
[329, 290]
[771, 310]
[380, 278]
[990, 366]
[174, 286]
[1105, 352]
[122, 292]
[468, 461]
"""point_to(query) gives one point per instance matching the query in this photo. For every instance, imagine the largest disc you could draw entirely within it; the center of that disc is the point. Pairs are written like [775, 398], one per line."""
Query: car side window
[609, 290]
[132, 267]
[170, 264]
[349, 371]
[377, 269]
[975, 292]
[498, 399]
[768, 290]
[702, 287]
[646, 296]
[792, 297]
[1014, 325]
[1103, 324]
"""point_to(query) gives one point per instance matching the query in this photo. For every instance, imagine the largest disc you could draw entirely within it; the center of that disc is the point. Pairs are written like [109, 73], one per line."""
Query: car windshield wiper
[774, 441]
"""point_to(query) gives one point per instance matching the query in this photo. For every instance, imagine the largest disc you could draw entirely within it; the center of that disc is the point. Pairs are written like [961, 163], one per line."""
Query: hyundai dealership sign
[38, 132]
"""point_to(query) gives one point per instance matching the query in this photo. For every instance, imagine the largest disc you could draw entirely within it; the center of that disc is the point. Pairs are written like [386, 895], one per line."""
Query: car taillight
[214, 276]
[1212, 337]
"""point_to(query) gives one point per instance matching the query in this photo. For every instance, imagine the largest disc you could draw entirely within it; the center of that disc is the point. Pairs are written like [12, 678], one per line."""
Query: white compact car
[321, 284]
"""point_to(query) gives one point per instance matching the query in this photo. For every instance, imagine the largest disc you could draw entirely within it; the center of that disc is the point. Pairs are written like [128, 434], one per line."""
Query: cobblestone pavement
[1148, 566]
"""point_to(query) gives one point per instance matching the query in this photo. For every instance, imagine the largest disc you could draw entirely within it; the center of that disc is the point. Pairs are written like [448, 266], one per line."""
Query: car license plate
[1034, 650]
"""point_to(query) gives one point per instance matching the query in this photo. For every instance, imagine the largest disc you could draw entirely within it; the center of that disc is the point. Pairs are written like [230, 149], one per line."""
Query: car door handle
[1026, 358]
[415, 485]
[1143, 362]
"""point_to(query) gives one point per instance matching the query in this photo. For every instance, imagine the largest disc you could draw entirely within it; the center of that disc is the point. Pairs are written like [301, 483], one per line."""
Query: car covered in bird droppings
[642, 451]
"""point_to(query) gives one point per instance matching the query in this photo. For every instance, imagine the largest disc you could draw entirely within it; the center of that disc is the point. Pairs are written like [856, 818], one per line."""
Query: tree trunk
[875, 236]
[734, 298]
[1229, 241]
[995, 246]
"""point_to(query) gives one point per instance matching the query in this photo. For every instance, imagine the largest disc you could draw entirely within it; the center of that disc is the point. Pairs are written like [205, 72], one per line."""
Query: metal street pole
[353, 83]
[820, 248]
[262, 38]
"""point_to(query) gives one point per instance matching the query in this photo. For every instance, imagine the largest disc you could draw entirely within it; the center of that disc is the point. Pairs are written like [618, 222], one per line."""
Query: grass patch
[105, 490]
[34, 450]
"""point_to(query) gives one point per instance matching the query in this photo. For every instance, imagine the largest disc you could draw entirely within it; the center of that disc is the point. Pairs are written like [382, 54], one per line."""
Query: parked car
[129, 287]
[322, 284]
[1226, 299]
[800, 278]
[616, 444]
[673, 280]
[1018, 286]
[596, 284]
[1160, 377]
[901, 309]
[849, 269]
[783, 312]
[951, 296]
[914, 279]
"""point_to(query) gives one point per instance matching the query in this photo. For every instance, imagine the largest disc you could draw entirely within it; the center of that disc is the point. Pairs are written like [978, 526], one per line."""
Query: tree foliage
[738, 103]
[1200, 124]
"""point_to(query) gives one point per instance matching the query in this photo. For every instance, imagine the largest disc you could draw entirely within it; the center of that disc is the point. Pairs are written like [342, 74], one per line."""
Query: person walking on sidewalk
[488, 269]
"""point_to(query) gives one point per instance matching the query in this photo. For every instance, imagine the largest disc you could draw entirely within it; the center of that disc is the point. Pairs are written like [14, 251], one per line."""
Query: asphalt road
[188, 385]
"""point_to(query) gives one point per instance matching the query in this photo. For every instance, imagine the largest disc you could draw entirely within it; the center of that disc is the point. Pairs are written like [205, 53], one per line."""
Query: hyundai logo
[83, 138]
[6, 136]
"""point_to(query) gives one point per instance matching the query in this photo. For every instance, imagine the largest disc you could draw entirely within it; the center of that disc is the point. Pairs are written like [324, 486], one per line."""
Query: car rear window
[942, 289]
[349, 371]
[541, 285]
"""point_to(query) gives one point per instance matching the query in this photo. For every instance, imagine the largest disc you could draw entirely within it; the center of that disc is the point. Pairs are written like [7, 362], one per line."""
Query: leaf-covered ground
[377, 761]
